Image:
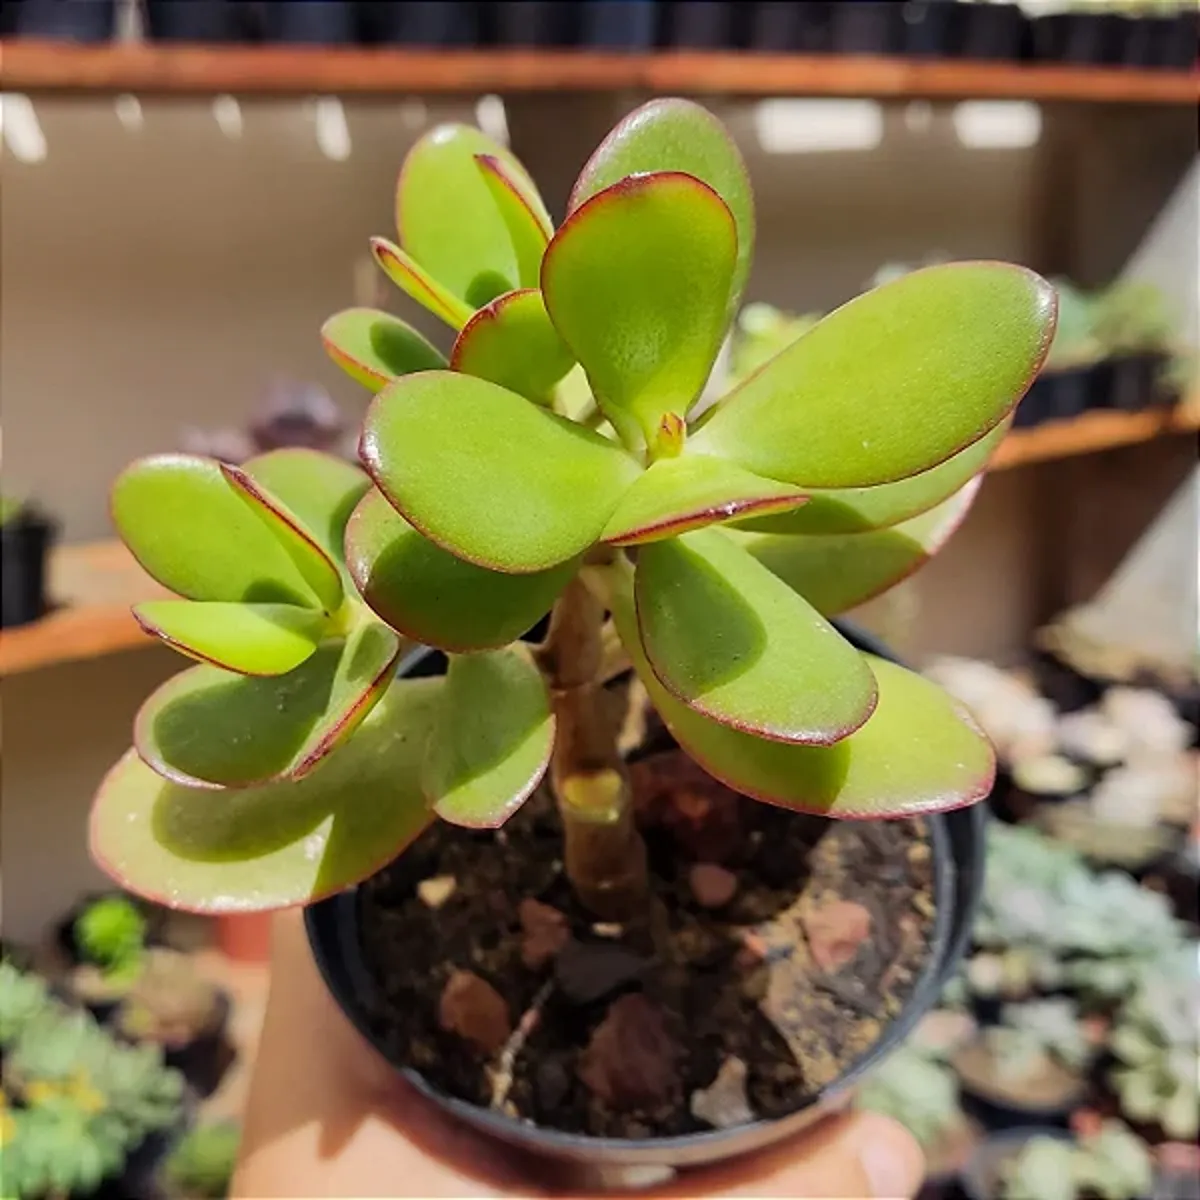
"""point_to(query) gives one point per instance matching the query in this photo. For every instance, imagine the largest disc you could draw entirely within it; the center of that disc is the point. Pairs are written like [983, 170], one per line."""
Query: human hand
[328, 1118]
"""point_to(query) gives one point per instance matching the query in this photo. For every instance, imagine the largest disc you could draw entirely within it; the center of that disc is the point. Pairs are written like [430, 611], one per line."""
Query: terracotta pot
[245, 937]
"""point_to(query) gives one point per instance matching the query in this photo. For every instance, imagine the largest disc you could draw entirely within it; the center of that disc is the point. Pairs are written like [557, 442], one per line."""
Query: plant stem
[604, 856]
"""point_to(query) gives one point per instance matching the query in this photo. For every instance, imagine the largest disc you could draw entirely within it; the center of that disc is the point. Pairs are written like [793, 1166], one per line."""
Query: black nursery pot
[420, 22]
[701, 24]
[66, 20]
[933, 28]
[992, 31]
[782, 26]
[1086, 38]
[1135, 381]
[309, 22]
[617, 24]
[530, 22]
[204, 1060]
[867, 27]
[957, 840]
[25, 542]
[198, 20]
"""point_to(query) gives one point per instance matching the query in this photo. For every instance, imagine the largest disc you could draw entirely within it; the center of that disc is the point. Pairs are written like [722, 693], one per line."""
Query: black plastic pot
[199, 20]
[979, 1177]
[25, 542]
[998, 1116]
[958, 856]
[866, 27]
[992, 31]
[933, 28]
[1063, 395]
[310, 22]
[1063, 685]
[530, 22]
[66, 20]
[617, 24]
[701, 24]
[1086, 38]
[786, 26]
[1135, 381]
[420, 22]
[205, 1059]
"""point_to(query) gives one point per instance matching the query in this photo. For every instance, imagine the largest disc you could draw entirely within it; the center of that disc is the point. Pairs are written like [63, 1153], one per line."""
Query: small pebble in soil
[435, 891]
[712, 885]
[544, 932]
[471, 1008]
[723, 1104]
[589, 971]
[608, 929]
[835, 931]
[632, 1060]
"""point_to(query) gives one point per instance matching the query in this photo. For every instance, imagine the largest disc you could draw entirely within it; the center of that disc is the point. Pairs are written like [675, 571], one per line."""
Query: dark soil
[798, 975]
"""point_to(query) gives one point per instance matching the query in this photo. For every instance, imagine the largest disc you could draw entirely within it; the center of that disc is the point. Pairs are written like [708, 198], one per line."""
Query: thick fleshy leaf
[678, 494]
[448, 218]
[670, 134]
[856, 510]
[374, 347]
[416, 282]
[209, 728]
[892, 383]
[524, 216]
[489, 476]
[492, 740]
[512, 342]
[918, 753]
[636, 281]
[428, 595]
[252, 639]
[312, 561]
[736, 643]
[195, 534]
[283, 844]
[836, 571]
[320, 489]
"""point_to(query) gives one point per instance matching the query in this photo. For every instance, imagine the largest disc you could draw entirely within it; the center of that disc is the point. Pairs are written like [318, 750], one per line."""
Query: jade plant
[548, 465]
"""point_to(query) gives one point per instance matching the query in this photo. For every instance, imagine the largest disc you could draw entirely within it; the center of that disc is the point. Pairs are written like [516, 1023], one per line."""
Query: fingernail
[891, 1164]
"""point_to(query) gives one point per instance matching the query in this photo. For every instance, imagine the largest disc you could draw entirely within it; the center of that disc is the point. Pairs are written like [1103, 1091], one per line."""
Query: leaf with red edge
[375, 348]
[512, 342]
[492, 740]
[891, 384]
[836, 571]
[283, 844]
[428, 595]
[735, 643]
[489, 476]
[524, 215]
[918, 753]
[252, 639]
[195, 535]
[671, 134]
[688, 492]
[637, 281]
[414, 281]
[212, 729]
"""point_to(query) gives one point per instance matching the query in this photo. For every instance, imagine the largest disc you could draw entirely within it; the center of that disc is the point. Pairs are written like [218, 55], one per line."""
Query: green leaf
[529, 225]
[892, 383]
[678, 494]
[512, 342]
[918, 753]
[252, 639]
[428, 595]
[209, 728]
[857, 510]
[193, 533]
[320, 489]
[671, 134]
[836, 571]
[411, 279]
[448, 218]
[637, 281]
[737, 644]
[489, 476]
[492, 740]
[375, 348]
[283, 844]
[314, 564]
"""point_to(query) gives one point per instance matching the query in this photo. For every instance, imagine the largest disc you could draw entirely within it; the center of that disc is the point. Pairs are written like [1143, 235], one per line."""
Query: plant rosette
[548, 464]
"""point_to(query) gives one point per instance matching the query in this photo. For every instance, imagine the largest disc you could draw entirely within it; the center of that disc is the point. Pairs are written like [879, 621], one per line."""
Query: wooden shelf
[32, 66]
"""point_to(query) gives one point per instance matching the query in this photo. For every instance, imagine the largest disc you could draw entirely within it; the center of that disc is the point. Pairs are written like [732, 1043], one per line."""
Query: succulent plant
[1035, 1030]
[1111, 1164]
[1076, 343]
[111, 933]
[201, 1166]
[23, 995]
[1133, 317]
[761, 332]
[170, 1004]
[1043, 1169]
[491, 495]
[917, 1089]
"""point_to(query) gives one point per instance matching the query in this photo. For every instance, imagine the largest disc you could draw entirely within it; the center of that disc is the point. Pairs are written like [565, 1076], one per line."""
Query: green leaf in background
[489, 476]
[678, 494]
[194, 533]
[512, 342]
[209, 728]
[836, 571]
[492, 740]
[671, 134]
[637, 282]
[320, 489]
[375, 348]
[529, 225]
[734, 642]
[267, 847]
[857, 510]
[411, 279]
[448, 218]
[252, 639]
[428, 595]
[918, 753]
[892, 383]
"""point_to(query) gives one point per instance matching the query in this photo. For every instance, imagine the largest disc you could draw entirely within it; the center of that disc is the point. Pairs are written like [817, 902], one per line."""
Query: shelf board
[39, 66]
